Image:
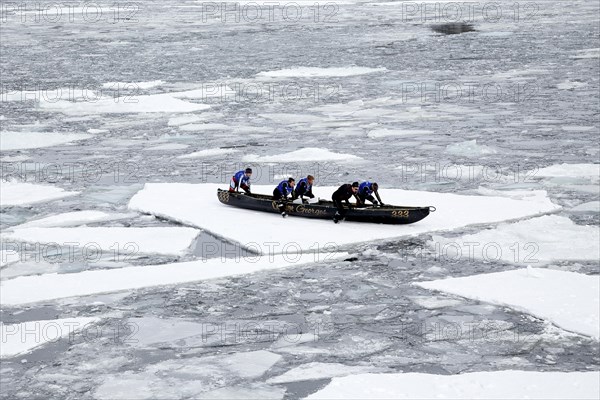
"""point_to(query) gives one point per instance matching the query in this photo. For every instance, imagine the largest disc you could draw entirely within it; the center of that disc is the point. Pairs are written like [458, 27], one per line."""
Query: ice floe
[535, 241]
[469, 149]
[208, 153]
[190, 377]
[15, 193]
[197, 205]
[133, 85]
[73, 218]
[319, 72]
[22, 338]
[317, 370]
[31, 289]
[591, 171]
[34, 140]
[155, 103]
[148, 240]
[302, 155]
[567, 299]
[384, 133]
[476, 385]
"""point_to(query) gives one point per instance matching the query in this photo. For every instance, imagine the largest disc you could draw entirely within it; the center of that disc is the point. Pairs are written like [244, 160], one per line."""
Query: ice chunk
[208, 153]
[155, 103]
[24, 337]
[184, 119]
[73, 219]
[571, 171]
[384, 133]
[31, 289]
[535, 241]
[181, 202]
[469, 149]
[592, 206]
[319, 72]
[187, 378]
[35, 140]
[132, 85]
[567, 299]
[305, 154]
[317, 370]
[476, 385]
[152, 240]
[16, 193]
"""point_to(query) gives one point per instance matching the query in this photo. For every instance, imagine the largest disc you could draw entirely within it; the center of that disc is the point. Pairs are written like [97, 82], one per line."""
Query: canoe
[326, 209]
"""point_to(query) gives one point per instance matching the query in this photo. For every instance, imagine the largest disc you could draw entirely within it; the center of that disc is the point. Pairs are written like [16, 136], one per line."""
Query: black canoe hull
[325, 209]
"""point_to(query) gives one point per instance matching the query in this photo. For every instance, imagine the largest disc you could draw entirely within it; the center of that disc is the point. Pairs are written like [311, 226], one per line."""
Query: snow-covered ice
[73, 218]
[541, 240]
[477, 385]
[303, 155]
[149, 240]
[22, 338]
[187, 378]
[318, 370]
[31, 289]
[319, 72]
[154, 103]
[179, 202]
[208, 153]
[568, 299]
[34, 140]
[15, 193]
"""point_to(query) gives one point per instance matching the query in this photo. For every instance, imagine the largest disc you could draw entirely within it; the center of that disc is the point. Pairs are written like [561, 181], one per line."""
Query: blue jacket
[364, 189]
[303, 188]
[241, 179]
[284, 188]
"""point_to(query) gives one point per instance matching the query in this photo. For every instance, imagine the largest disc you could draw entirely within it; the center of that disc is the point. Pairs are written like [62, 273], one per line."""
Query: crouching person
[241, 180]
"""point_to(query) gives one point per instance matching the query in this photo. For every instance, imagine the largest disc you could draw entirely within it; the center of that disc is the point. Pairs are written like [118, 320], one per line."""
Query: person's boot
[337, 216]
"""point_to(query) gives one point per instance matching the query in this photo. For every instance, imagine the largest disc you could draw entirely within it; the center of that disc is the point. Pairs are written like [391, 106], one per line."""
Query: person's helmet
[374, 186]
[248, 170]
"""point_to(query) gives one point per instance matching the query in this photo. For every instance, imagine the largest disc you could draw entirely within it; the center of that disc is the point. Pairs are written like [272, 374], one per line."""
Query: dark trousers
[365, 198]
[339, 205]
[277, 194]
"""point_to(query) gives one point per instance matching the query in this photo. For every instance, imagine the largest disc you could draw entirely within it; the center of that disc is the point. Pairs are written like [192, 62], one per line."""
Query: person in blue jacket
[304, 188]
[241, 180]
[365, 192]
[284, 189]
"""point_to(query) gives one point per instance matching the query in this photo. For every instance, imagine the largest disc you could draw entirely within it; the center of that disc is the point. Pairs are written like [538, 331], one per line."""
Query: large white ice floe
[316, 371]
[303, 155]
[195, 377]
[567, 299]
[149, 240]
[73, 218]
[31, 289]
[15, 193]
[311, 72]
[23, 337]
[535, 241]
[33, 140]
[590, 171]
[154, 103]
[208, 153]
[476, 385]
[197, 205]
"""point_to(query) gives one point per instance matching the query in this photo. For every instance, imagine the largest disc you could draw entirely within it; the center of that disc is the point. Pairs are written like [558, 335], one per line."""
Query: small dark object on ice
[351, 259]
[454, 28]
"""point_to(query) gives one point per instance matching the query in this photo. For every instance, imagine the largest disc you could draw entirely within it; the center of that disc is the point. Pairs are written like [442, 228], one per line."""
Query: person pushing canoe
[241, 180]
[284, 189]
[365, 192]
[304, 188]
[344, 193]
[281, 193]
